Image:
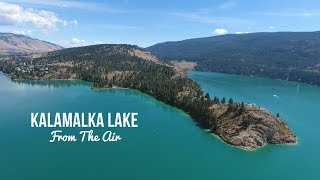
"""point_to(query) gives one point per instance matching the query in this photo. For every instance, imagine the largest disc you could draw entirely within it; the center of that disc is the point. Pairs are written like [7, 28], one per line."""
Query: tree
[207, 96]
[223, 100]
[230, 101]
[230, 104]
[242, 108]
[216, 100]
[278, 115]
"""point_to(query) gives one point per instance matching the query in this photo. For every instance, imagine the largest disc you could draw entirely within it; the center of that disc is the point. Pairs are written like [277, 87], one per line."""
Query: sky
[144, 23]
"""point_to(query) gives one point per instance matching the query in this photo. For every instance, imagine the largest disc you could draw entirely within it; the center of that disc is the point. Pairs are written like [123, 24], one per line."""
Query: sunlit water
[166, 145]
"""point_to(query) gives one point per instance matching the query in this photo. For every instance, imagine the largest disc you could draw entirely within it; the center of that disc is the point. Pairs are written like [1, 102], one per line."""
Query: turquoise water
[167, 144]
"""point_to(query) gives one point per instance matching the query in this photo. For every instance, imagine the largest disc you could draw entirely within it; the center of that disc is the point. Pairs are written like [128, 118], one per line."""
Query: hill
[15, 44]
[293, 56]
[127, 66]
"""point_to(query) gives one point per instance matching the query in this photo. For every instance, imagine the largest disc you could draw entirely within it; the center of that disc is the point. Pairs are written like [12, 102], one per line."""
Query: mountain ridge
[293, 56]
[17, 44]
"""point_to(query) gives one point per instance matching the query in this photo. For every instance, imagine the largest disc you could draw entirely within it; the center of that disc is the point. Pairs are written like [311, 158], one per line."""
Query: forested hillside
[292, 56]
[115, 66]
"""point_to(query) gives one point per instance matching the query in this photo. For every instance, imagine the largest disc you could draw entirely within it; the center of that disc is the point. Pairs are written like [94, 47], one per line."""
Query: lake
[166, 145]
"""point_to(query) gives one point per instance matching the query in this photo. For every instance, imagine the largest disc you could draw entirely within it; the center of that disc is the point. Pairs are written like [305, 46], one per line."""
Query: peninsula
[113, 65]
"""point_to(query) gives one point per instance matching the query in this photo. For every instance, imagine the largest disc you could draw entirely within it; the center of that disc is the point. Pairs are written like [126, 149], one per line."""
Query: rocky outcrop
[251, 127]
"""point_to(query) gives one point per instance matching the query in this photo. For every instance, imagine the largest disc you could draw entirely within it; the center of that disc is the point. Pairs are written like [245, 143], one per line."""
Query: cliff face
[14, 44]
[251, 128]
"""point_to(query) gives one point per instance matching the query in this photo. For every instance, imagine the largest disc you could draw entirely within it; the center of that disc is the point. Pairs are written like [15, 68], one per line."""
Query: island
[117, 65]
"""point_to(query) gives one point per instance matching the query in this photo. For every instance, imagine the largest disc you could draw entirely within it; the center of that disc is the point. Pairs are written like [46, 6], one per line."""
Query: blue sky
[146, 22]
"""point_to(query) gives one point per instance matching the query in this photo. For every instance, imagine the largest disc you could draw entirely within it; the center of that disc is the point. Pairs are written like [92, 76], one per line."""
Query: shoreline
[248, 149]
[108, 88]
[254, 76]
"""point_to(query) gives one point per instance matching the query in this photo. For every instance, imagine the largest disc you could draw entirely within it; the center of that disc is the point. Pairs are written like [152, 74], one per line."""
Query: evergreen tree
[216, 100]
[207, 96]
[230, 105]
[223, 100]
[242, 108]
[230, 101]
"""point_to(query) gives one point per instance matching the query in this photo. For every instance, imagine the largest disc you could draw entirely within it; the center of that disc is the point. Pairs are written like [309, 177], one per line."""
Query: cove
[166, 145]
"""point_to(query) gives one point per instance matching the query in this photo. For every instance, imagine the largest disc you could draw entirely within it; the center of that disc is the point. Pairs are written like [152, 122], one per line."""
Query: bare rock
[252, 128]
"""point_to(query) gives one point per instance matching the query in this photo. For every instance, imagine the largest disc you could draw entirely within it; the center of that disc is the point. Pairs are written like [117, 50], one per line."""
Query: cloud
[305, 13]
[77, 42]
[271, 27]
[98, 42]
[11, 14]
[242, 32]
[218, 32]
[23, 32]
[206, 18]
[65, 23]
[74, 22]
[73, 5]
[227, 5]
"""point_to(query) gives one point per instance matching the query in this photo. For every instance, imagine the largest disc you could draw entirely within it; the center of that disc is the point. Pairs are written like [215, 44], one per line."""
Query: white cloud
[297, 13]
[242, 32]
[23, 32]
[73, 5]
[219, 32]
[11, 14]
[65, 23]
[74, 22]
[227, 5]
[98, 42]
[271, 27]
[77, 42]
[206, 18]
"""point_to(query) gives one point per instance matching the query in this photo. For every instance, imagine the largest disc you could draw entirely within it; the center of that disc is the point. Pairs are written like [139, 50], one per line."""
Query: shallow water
[166, 145]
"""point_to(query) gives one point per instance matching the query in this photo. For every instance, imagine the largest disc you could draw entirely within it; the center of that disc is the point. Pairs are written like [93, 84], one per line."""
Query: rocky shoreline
[253, 128]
